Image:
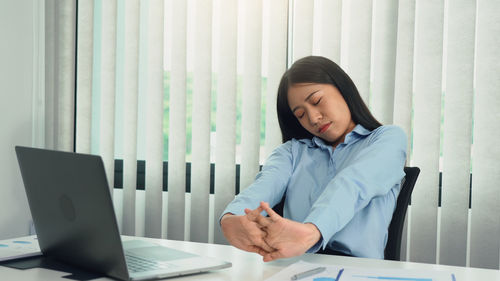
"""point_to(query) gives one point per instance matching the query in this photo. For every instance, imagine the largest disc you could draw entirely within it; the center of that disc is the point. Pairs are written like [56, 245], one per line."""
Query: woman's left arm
[376, 169]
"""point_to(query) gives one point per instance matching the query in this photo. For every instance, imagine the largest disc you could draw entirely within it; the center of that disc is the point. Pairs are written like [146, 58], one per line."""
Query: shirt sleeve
[374, 171]
[269, 185]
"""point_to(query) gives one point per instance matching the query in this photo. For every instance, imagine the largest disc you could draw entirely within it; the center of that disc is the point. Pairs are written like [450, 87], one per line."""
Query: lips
[325, 127]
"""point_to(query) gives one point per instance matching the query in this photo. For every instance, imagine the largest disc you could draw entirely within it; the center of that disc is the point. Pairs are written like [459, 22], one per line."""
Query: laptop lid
[75, 221]
[72, 209]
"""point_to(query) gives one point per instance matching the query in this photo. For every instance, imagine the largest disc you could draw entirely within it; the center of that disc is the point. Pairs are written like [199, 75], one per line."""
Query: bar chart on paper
[392, 278]
[362, 274]
[19, 248]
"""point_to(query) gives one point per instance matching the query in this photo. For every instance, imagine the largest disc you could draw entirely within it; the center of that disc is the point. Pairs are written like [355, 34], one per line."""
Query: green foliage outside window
[189, 110]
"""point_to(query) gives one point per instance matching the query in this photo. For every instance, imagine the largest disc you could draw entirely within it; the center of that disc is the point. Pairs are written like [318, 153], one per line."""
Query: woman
[338, 166]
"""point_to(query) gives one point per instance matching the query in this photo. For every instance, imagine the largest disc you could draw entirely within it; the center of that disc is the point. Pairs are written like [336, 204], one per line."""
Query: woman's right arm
[270, 185]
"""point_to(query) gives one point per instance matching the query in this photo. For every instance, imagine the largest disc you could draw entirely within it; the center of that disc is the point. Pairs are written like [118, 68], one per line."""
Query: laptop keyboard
[139, 264]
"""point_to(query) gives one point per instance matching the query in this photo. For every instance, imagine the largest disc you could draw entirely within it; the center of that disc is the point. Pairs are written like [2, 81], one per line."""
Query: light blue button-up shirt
[349, 192]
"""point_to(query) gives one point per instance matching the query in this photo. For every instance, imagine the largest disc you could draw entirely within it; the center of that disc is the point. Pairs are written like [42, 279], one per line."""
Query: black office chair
[393, 247]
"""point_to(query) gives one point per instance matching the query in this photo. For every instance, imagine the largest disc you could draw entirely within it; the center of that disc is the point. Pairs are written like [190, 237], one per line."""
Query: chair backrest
[393, 247]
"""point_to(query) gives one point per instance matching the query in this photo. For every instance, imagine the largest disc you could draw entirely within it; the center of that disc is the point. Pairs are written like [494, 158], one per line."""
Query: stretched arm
[377, 168]
[270, 184]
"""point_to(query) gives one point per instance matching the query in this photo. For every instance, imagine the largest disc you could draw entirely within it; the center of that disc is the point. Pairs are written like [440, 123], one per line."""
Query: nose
[314, 117]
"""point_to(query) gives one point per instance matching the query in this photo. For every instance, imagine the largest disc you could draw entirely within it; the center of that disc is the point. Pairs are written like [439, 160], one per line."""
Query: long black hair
[316, 69]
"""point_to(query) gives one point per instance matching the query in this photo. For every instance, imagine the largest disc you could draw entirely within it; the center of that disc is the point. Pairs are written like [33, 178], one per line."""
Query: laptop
[74, 218]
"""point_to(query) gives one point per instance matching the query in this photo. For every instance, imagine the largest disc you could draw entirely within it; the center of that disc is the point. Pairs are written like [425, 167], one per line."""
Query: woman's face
[321, 110]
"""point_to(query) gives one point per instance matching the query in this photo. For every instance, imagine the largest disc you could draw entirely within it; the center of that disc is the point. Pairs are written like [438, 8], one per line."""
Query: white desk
[249, 266]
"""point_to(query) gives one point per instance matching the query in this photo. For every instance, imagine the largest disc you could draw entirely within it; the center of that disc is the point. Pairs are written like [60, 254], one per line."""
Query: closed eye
[299, 114]
[316, 103]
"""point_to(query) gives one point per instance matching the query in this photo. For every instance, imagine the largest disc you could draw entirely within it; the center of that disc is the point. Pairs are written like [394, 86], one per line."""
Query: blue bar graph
[394, 278]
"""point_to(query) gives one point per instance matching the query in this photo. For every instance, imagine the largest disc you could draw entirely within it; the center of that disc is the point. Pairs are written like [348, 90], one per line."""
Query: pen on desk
[308, 273]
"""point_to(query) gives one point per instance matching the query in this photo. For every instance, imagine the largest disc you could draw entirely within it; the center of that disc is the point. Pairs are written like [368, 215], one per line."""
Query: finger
[248, 211]
[273, 256]
[262, 221]
[262, 252]
[264, 246]
[256, 249]
[259, 241]
[254, 214]
[272, 214]
[259, 247]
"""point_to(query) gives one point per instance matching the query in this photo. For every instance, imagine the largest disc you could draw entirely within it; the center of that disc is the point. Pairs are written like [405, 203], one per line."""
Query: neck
[342, 138]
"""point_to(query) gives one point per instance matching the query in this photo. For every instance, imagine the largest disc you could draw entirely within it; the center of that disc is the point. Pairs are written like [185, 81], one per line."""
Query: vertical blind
[202, 99]
[151, 73]
[457, 130]
[485, 221]
[129, 113]
[60, 74]
[427, 74]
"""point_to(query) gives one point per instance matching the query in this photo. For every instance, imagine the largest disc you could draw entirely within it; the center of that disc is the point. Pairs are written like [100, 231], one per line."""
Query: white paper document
[371, 274]
[338, 273]
[329, 274]
[19, 248]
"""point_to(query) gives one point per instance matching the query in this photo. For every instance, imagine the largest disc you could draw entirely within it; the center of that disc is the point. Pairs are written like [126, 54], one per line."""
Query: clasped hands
[272, 237]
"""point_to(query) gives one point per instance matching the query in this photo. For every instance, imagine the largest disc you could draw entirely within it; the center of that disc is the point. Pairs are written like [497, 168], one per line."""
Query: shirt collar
[356, 133]
[359, 130]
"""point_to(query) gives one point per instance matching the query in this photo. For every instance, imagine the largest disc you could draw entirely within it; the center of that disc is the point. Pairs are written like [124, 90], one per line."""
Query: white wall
[16, 97]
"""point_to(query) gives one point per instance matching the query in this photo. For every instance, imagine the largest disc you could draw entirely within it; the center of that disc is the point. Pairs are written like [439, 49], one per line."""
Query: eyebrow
[309, 96]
